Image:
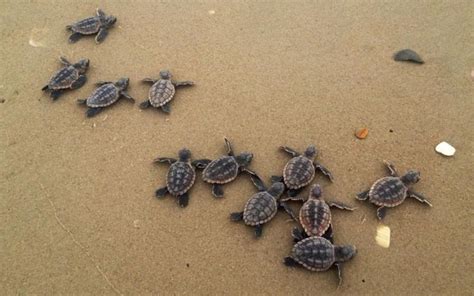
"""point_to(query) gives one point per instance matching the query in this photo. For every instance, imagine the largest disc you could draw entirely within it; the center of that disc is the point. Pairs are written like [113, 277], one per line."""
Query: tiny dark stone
[187, 264]
[2, 100]
[363, 280]
[391, 130]
[16, 92]
[407, 55]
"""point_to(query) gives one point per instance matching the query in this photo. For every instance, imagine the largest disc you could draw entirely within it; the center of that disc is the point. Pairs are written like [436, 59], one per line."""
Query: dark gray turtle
[162, 91]
[407, 55]
[180, 178]
[391, 191]
[98, 24]
[319, 254]
[71, 76]
[105, 95]
[315, 214]
[262, 206]
[300, 170]
[224, 169]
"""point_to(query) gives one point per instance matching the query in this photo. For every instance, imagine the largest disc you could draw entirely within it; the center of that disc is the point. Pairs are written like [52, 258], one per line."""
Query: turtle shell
[103, 96]
[260, 209]
[221, 171]
[388, 192]
[314, 253]
[180, 178]
[90, 25]
[298, 172]
[315, 217]
[161, 92]
[63, 78]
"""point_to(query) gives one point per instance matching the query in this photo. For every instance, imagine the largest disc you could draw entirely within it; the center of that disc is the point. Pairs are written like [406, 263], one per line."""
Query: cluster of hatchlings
[314, 248]
[72, 75]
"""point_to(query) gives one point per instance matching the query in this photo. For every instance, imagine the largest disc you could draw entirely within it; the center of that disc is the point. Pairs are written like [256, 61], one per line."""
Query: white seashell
[383, 236]
[445, 148]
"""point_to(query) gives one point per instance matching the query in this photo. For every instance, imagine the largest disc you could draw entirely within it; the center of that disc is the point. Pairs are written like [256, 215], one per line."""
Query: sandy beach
[78, 212]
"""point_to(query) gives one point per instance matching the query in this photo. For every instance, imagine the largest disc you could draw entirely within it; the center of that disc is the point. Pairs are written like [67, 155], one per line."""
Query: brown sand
[77, 208]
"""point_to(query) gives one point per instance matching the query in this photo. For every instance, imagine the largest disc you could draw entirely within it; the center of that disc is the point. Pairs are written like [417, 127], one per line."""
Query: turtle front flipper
[55, 94]
[183, 200]
[364, 195]
[201, 163]
[257, 181]
[217, 190]
[161, 192]
[100, 83]
[79, 82]
[182, 83]
[166, 108]
[290, 262]
[258, 230]
[288, 210]
[81, 101]
[145, 104]
[64, 61]
[290, 151]
[237, 216]
[298, 234]
[391, 168]
[150, 80]
[340, 205]
[275, 179]
[228, 146]
[103, 32]
[165, 160]
[91, 112]
[419, 197]
[75, 37]
[339, 272]
[127, 96]
[324, 170]
[381, 212]
[294, 192]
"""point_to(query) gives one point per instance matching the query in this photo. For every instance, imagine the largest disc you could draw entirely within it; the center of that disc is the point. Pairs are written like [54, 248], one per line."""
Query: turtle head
[165, 74]
[184, 155]
[244, 158]
[276, 189]
[311, 152]
[82, 65]
[411, 177]
[109, 21]
[344, 253]
[122, 83]
[316, 192]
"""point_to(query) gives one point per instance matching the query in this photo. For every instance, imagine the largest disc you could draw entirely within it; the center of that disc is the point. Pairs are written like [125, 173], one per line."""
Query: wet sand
[78, 213]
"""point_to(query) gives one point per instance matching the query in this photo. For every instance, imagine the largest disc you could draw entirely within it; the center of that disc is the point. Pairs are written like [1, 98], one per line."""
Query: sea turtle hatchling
[180, 178]
[319, 254]
[71, 76]
[315, 214]
[162, 91]
[300, 170]
[105, 95]
[391, 191]
[224, 169]
[262, 206]
[98, 24]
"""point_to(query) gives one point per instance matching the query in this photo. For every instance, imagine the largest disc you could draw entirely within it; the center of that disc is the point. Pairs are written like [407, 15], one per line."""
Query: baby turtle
[407, 55]
[315, 214]
[105, 95]
[180, 177]
[98, 24]
[319, 254]
[162, 91]
[300, 170]
[71, 76]
[224, 169]
[262, 206]
[391, 191]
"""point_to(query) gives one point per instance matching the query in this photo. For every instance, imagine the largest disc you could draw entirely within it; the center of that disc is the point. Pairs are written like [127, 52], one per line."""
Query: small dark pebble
[363, 281]
[187, 264]
[2, 100]
[391, 130]
[407, 55]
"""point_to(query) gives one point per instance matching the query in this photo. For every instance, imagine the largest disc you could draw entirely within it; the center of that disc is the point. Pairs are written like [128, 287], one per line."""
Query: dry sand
[78, 213]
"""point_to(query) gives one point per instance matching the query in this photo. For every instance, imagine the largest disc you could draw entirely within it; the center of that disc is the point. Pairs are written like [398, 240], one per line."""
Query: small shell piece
[407, 55]
[362, 133]
[383, 236]
[445, 149]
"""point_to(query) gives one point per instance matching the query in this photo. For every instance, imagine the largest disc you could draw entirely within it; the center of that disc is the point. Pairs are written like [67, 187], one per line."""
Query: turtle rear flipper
[290, 262]
[183, 200]
[145, 104]
[166, 108]
[55, 94]
[75, 37]
[79, 82]
[101, 35]
[91, 112]
[217, 190]
[258, 230]
[237, 216]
